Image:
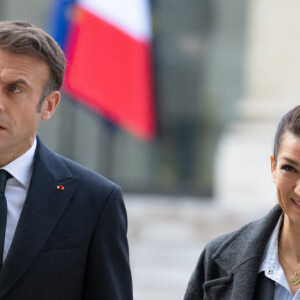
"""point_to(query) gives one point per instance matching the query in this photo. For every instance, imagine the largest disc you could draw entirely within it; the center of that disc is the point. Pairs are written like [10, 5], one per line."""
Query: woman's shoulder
[249, 233]
[224, 255]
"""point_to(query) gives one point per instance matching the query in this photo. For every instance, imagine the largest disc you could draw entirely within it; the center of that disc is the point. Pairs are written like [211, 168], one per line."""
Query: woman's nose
[297, 188]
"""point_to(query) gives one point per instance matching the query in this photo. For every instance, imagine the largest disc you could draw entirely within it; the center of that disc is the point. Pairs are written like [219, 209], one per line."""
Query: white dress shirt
[16, 191]
[273, 270]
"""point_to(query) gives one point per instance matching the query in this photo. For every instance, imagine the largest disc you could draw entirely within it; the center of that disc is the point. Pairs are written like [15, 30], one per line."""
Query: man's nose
[1, 101]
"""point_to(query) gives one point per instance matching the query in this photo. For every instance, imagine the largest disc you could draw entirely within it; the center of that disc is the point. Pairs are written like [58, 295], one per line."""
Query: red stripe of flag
[110, 71]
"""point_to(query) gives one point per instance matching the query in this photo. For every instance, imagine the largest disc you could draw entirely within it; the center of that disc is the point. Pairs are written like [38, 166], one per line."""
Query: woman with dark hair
[262, 259]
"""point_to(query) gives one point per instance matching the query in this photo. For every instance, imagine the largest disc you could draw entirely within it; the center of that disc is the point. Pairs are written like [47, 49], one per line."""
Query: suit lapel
[42, 209]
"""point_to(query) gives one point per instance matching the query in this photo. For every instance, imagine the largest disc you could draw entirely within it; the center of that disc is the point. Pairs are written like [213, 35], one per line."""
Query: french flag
[108, 49]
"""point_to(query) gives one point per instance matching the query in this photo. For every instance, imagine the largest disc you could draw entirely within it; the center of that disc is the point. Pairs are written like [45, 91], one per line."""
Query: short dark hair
[290, 122]
[25, 38]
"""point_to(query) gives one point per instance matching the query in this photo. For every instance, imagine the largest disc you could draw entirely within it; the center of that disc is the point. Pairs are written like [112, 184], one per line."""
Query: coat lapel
[42, 209]
[239, 284]
[240, 258]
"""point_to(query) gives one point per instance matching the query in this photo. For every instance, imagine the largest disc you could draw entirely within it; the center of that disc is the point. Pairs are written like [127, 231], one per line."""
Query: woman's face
[286, 176]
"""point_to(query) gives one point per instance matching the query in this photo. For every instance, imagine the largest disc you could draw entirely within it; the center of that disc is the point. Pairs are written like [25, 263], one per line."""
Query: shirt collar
[270, 264]
[21, 167]
[270, 257]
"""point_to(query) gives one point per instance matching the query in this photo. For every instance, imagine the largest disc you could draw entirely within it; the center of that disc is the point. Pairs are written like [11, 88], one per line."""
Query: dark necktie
[3, 211]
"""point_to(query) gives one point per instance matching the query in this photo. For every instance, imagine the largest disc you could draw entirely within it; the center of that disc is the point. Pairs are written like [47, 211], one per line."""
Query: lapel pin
[60, 187]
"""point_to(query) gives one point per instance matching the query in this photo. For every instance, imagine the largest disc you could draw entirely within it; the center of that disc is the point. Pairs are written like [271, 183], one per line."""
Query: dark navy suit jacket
[70, 242]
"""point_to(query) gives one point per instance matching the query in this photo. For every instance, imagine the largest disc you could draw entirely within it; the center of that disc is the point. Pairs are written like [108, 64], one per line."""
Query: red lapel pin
[60, 187]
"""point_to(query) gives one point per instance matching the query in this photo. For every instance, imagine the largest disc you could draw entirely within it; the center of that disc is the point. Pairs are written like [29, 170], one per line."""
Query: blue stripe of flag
[60, 20]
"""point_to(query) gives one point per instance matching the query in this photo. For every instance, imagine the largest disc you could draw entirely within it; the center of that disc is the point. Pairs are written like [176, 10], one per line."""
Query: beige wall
[272, 87]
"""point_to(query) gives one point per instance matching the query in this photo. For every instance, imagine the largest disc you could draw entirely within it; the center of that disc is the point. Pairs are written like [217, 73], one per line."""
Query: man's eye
[14, 89]
[288, 168]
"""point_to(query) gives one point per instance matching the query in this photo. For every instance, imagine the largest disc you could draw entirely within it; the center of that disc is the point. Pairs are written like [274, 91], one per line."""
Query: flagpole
[106, 165]
[2, 13]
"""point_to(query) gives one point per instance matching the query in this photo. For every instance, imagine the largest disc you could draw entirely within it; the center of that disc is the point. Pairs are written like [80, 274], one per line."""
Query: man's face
[22, 78]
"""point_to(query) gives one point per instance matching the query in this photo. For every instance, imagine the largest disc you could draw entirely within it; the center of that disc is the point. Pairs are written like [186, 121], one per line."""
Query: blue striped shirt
[273, 270]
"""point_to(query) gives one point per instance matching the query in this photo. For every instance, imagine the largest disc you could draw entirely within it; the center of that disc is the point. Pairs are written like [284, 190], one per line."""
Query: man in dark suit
[65, 234]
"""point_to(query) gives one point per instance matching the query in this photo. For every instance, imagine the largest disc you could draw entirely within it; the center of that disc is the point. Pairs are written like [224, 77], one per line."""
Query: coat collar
[42, 209]
[240, 257]
[247, 243]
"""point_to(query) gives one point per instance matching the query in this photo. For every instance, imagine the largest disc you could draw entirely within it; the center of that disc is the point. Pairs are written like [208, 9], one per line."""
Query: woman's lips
[297, 203]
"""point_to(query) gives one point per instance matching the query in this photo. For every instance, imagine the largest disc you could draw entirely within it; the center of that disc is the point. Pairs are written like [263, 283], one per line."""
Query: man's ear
[273, 168]
[49, 105]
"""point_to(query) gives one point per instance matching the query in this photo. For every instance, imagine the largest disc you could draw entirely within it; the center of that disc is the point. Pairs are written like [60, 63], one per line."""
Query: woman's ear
[49, 105]
[273, 168]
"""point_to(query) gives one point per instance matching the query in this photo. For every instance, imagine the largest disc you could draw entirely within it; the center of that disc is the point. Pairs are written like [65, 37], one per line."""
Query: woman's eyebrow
[290, 161]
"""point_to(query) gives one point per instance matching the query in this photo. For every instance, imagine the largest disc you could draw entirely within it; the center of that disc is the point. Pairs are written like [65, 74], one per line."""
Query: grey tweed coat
[228, 266]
